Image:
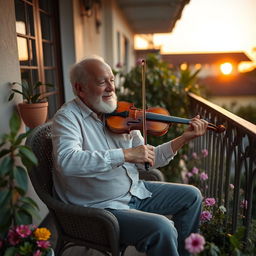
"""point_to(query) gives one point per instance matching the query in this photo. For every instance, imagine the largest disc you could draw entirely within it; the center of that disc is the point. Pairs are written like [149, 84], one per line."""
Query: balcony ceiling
[152, 16]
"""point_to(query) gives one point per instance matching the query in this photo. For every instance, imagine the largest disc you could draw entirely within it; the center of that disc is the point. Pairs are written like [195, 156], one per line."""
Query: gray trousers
[146, 226]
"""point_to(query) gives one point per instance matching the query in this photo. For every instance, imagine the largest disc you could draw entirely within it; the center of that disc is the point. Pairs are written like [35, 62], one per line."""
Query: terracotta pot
[33, 114]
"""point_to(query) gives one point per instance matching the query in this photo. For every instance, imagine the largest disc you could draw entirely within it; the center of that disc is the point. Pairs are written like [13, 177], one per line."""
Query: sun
[226, 68]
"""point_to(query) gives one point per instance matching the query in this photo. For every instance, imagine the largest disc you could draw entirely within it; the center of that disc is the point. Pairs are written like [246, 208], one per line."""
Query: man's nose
[110, 85]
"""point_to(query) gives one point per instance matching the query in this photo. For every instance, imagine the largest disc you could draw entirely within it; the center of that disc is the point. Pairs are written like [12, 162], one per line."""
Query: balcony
[231, 160]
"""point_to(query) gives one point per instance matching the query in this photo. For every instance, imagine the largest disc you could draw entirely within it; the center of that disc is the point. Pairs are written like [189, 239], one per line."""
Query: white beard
[105, 107]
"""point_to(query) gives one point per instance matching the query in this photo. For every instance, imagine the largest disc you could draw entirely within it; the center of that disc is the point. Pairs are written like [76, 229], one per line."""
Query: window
[39, 47]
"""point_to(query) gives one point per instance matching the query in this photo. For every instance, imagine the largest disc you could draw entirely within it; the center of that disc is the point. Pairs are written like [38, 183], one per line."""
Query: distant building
[224, 89]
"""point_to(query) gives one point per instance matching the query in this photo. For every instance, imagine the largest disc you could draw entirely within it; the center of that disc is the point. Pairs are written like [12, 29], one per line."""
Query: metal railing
[231, 160]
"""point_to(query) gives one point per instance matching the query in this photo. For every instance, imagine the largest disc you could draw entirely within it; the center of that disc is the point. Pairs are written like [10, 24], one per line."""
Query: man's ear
[78, 88]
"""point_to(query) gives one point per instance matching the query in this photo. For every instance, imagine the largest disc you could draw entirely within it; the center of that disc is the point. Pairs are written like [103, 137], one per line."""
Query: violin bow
[144, 123]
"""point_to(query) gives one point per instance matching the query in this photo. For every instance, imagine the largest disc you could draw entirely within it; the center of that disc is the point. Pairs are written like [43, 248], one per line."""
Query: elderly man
[98, 168]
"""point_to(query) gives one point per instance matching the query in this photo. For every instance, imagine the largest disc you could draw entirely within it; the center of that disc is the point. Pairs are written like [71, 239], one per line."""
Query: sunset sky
[213, 26]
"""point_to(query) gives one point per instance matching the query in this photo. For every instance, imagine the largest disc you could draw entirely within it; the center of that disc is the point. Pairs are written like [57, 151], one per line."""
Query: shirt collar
[85, 110]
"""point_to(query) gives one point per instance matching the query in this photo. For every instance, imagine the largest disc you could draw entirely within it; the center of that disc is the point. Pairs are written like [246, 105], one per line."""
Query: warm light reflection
[226, 68]
[246, 66]
[140, 43]
[22, 42]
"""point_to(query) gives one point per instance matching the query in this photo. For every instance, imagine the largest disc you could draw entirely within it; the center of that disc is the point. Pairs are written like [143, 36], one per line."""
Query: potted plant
[34, 109]
[17, 235]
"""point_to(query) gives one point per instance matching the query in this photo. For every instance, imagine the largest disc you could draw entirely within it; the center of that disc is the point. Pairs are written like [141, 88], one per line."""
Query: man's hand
[140, 154]
[196, 128]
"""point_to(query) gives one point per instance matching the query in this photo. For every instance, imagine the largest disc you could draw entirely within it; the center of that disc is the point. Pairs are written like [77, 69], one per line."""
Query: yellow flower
[42, 234]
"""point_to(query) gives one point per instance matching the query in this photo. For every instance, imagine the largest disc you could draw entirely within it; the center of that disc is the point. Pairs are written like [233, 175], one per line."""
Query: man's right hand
[140, 154]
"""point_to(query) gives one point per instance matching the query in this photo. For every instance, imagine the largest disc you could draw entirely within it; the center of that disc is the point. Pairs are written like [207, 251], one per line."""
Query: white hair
[78, 73]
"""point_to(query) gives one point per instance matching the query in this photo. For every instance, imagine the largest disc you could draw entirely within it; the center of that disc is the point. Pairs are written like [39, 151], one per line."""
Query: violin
[158, 120]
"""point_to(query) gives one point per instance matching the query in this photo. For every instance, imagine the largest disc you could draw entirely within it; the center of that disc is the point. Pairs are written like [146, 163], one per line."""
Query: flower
[222, 208]
[194, 155]
[204, 152]
[194, 243]
[195, 170]
[42, 233]
[210, 201]
[23, 231]
[205, 216]
[203, 176]
[244, 204]
[231, 186]
[13, 237]
[26, 240]
[43, 244]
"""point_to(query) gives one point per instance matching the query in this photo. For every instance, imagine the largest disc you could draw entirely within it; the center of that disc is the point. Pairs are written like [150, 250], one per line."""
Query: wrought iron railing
[231, 160]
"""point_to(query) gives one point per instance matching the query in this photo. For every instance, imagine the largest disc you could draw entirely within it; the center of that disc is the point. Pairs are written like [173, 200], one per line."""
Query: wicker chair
[76, 225]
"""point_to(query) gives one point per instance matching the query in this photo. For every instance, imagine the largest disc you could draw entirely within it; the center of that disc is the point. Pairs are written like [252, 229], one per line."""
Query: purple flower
[204, 152]
[189, 174]
[139, 62]
[244, 204]
[13, 237]
[194, 155]
[43, 244]
[23, 230]
[203, 176]
[195, 170]
[185, 157]
[119, 65]
[194, 243]
[205, 216]
[37, 253]
[210, 201]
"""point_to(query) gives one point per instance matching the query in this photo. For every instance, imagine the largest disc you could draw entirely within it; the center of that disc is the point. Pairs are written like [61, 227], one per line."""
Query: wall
[67, 44]
[9, 72]
[102, 41]
[9, 65]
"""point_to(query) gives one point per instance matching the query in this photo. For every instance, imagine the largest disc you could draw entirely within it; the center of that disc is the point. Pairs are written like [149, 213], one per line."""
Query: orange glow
[226, 68]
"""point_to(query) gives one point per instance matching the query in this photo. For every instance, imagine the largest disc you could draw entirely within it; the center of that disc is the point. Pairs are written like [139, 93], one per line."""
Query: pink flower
[195, 170]
[139, 62]
[13, 237]
[195, 243]
[119, 65]
[210, 201]
[1, 243]
[194, 155]
[37, 253]
[185, 157]
[23, 231]
[244, 204]
[205, 216]
[204, 152]
[203, 176]
[43, 244]
[231, 186]
[189, 174]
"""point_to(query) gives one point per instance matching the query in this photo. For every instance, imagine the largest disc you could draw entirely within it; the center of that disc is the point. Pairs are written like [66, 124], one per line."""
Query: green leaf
[6, 166]
[15, 123]
[5, 218]
[27, 154]
[5, 196]
[11, 97]
[11, 251]
[20, 175]
[20, 138]
[31, 210]
[22, 217]
[4, 152]
[30, 201]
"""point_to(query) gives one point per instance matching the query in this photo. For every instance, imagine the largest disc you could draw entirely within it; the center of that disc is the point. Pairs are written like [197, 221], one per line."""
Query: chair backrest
[41, 144]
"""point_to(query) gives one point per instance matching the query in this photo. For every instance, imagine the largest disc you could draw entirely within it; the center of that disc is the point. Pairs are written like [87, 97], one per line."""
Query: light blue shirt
[90, 169]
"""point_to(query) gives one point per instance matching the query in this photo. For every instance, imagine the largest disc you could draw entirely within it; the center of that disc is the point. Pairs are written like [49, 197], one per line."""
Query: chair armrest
[154, 175]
